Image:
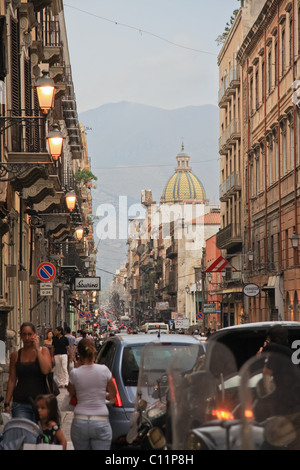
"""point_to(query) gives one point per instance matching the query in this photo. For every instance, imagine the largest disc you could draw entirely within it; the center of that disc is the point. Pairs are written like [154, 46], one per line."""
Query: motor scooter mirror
[156, 438]
[280, 431]
[142, 405]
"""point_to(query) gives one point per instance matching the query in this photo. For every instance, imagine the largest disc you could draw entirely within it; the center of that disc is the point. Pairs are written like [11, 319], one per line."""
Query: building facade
[36, 225]
[163, 275]
[263, 46]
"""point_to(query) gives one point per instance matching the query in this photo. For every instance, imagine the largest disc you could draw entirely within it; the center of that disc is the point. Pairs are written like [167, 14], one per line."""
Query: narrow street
[66, 418]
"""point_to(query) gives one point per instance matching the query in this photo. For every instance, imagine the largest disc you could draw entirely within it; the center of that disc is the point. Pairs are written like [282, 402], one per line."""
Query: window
[262, 81]
[292, 141]
[291, 41]
[283, 147]
[275, 134]
[282, 51]
[275, 63]
[263, 167]
[256, 90]
[257, 172]
[269, 71]
[270, 160]
[251, 96]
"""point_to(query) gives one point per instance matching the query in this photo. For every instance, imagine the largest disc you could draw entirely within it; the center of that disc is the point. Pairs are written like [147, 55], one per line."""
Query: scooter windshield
[207, 393]
[153, 380]
[270, 399]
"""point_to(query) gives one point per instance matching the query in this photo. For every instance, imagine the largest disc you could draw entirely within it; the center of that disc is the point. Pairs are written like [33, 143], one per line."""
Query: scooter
[147, 422]
[223, 408]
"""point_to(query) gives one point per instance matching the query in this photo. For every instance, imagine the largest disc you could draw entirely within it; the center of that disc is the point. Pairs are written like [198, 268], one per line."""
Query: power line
[141, 31]
[124, 167]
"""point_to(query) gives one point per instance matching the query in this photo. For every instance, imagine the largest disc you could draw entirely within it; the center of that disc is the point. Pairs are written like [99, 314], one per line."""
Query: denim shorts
[23, 410]
[91, 435]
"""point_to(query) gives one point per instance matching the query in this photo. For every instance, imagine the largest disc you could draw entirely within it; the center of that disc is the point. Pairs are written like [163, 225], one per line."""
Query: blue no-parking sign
[46, 272]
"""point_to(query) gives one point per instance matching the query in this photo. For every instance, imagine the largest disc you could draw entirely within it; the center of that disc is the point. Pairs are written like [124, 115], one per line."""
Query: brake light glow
[222, 414]
[118, 401]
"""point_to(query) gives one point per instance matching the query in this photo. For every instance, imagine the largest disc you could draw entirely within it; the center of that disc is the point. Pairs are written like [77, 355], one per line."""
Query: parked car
[245, 340]
[231, 355]
[122, 355]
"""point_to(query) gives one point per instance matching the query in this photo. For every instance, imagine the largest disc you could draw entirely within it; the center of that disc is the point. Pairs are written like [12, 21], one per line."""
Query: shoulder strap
[19, 355]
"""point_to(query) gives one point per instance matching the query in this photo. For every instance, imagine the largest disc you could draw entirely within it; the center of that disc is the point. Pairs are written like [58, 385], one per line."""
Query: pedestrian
[61, 351]
[82, 334]
[71, 339]
[49, 415]
[92, 384]
[48, 343]
[28, 369]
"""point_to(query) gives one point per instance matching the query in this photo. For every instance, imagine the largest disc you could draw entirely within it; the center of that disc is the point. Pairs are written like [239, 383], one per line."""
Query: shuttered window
[15, 84]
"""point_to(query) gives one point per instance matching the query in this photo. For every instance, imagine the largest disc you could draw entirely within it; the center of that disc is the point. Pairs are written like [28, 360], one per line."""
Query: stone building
[162, 262]
[36, 225]
[259, 154]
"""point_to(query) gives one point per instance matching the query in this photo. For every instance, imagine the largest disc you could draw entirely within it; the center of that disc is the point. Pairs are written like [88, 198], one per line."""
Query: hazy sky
[156, 52]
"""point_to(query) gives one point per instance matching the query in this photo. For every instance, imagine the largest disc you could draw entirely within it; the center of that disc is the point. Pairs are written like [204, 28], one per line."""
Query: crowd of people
[70, 358]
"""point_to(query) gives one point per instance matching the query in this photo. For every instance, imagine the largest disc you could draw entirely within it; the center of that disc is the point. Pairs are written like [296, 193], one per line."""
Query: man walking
[61, 351]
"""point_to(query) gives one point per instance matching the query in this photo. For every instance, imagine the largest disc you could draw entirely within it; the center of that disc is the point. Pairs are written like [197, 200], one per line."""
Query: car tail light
[222, 414]
[118, 401]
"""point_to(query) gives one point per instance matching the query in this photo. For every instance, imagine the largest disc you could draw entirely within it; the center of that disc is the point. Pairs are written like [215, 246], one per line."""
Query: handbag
[51, 384]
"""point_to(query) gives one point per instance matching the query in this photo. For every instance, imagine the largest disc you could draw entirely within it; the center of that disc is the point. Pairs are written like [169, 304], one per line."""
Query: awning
[271, 283]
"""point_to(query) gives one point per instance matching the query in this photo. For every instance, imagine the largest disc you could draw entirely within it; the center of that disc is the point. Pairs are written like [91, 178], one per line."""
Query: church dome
[183, 186]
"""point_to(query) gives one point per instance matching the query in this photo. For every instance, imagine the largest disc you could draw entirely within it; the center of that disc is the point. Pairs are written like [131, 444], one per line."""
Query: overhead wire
[141, 31]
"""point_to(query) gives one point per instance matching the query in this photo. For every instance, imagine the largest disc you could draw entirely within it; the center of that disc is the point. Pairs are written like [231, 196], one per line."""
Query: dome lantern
[183, 186]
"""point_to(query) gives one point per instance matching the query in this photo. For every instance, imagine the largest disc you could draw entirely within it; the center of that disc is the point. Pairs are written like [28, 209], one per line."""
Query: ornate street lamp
[79, 231]
[295, 240]
[71, 200]
[55, 142]
[45, 88]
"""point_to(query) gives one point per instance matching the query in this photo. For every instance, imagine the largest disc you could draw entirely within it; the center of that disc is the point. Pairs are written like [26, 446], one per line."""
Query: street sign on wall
[46, 288]
[251, 290]
[46, 272]
[209, 308]
[87, 283]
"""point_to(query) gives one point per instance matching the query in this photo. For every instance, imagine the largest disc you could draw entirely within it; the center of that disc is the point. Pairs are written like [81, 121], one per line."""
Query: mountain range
[133, 147]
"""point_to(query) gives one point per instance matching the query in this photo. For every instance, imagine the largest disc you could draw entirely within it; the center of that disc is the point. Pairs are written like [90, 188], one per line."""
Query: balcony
[229, 136]
[172, 283]
[229, 85]
[172, 251]
[229, 237]
[230, 186]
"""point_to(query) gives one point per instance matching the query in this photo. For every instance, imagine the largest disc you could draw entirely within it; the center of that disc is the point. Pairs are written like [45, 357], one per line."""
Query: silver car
[122, 354]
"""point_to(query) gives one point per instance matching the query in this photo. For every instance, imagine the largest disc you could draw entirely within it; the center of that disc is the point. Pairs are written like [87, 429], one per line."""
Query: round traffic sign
[81, 314]
[46, 272]
[199, 315]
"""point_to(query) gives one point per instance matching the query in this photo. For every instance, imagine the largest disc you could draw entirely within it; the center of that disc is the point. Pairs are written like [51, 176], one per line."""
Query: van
[154, 327]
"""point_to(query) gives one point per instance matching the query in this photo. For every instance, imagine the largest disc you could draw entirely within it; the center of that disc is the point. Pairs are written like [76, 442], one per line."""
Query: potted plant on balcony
[85, 177]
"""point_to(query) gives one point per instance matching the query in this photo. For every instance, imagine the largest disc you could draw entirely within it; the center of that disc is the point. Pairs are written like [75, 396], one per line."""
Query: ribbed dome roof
[183, 185]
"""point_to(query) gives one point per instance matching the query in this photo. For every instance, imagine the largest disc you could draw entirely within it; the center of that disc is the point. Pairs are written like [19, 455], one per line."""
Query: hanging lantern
[55, 142]
[45, 88]
[71, 200]
[79, 231]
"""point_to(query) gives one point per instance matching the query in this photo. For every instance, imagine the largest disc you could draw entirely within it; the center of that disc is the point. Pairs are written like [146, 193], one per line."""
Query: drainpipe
[265, 149]
[248, 165]
[21, 300]
[279, 169]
